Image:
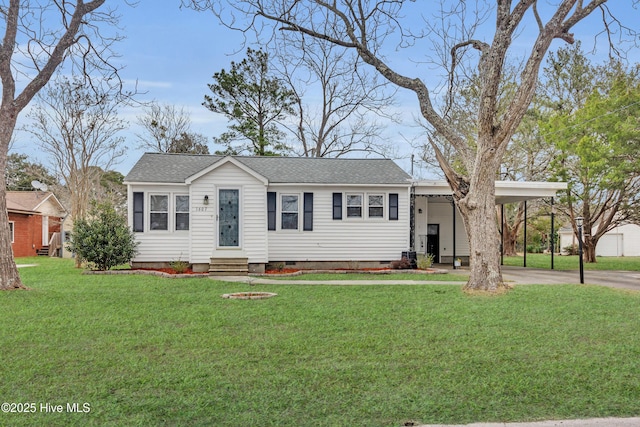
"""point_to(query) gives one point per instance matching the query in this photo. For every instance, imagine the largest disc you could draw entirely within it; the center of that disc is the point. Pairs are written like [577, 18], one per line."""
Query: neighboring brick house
[35, 220]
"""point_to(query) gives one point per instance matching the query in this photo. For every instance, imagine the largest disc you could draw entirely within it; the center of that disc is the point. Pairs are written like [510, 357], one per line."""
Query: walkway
[514, 275]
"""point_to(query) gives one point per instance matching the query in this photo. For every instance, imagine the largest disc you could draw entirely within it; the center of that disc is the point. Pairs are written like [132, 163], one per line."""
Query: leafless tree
[38, 37]
[351, 105]
[77, 127]
[370, 27]
[163, 124]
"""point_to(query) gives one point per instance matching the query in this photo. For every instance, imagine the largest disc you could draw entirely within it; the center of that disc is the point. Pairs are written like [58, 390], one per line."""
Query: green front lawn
[566, 262]
[143, 350]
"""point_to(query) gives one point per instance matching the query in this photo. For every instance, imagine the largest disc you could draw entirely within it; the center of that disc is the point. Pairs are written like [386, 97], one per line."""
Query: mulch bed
[168, 270]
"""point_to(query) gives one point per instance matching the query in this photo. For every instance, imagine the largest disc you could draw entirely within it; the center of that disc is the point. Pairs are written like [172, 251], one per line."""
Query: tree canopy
[255, 102]
[593, 124]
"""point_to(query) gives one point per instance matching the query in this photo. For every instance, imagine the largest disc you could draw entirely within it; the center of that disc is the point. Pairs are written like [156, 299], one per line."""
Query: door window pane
[229, 219]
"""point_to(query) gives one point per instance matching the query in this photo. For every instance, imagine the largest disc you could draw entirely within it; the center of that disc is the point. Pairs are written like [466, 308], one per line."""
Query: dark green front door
[229, 218]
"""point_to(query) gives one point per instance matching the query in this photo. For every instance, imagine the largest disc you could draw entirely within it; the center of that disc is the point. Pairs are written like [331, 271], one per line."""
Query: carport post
[524, 261]
[502, 234]
[552, 234]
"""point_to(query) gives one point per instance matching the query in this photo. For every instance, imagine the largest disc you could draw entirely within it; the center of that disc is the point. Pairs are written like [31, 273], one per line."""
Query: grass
[572, 262]
[143, 350]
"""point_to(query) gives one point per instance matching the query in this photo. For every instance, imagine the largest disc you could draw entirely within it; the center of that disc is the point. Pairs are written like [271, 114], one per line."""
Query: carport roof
[506, 191]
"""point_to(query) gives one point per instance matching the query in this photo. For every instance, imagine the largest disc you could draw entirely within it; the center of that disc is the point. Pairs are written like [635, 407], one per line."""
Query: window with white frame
[289, 211]
[354, 205]
[376, 205]
[182, 212]
[11, 231]
[158, 212]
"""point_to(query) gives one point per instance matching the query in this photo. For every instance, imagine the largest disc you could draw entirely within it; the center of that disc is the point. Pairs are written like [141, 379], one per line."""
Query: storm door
[229, 218]
[433, 241]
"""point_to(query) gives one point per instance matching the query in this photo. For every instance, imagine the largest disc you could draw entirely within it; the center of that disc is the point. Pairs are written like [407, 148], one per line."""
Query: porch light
[206, 200]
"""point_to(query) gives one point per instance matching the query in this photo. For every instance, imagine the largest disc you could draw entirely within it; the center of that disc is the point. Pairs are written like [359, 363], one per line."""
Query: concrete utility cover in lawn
[249, 295]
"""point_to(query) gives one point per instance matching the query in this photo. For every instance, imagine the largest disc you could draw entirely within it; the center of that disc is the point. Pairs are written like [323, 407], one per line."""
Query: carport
[435, 221]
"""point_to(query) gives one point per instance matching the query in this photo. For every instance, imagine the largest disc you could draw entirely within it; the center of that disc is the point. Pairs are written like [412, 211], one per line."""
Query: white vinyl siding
[154, 245]
[253, 216]
[442, 214]
[343, 240]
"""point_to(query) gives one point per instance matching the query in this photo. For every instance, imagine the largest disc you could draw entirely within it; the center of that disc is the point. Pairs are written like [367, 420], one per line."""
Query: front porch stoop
[237, 266]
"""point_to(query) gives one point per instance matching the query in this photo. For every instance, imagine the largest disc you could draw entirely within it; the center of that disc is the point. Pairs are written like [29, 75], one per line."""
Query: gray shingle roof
[177, 168]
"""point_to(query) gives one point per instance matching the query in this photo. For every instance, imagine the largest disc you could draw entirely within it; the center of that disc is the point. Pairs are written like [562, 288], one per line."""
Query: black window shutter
[393, 206]
[138, 212]
[271, 210]
[337, 205]
[308, 212]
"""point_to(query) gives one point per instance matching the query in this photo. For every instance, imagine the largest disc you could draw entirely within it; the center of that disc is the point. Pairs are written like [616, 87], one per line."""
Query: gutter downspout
[412, 217]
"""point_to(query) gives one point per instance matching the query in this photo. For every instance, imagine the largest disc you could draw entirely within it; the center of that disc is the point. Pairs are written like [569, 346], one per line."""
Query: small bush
[403, 264]
[425, 261]
[570, 250]
[179, 266]
[103, 239]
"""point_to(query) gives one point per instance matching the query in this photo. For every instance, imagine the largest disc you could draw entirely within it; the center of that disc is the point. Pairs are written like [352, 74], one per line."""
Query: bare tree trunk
[509, 240]
[9, 277]
[589, 249]
[511, 231]
[60, 43]
[479, 214]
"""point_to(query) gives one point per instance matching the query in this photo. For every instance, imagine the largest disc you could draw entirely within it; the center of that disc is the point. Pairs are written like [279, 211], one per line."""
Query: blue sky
[173, 53]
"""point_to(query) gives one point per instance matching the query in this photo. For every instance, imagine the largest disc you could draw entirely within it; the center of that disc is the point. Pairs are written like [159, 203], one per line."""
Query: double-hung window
[289, 211]
[159, 212]
[376, 205]
[354, 205]
[182, 212]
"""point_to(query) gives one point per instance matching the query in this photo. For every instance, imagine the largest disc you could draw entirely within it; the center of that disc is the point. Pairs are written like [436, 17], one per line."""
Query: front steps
[229, 266]
[43, 251]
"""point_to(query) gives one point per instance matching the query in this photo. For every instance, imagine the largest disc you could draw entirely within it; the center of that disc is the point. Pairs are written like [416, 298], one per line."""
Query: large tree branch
[6, 52]
[557, 27]
[66, 41]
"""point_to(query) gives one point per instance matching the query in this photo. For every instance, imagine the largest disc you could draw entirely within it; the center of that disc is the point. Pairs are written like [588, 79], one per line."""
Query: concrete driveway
[613, 279]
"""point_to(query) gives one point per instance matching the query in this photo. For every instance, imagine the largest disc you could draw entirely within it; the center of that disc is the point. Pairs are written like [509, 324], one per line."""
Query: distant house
[623, 240]
[35, 219]
[236, 214]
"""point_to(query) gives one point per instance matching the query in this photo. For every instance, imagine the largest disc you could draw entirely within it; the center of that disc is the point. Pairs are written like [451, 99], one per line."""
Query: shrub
[403, 264]
[425, 261]
[179, 266]
[103, 239]
[570, 250]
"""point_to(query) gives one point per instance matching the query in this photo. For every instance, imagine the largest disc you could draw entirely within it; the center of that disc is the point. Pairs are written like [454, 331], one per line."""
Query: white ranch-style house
[235, 214]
